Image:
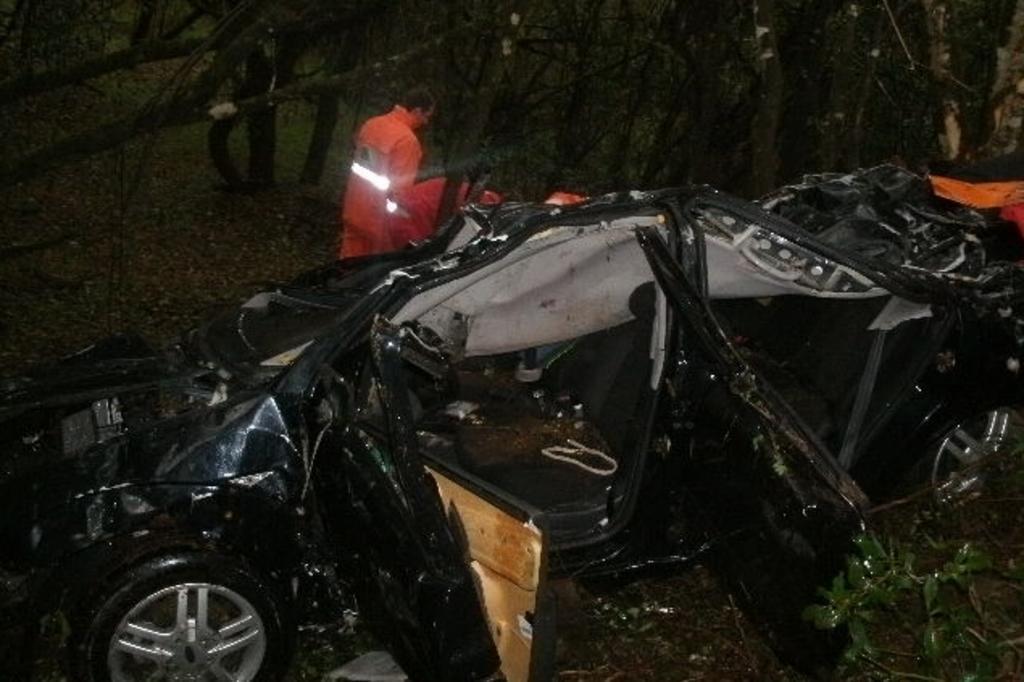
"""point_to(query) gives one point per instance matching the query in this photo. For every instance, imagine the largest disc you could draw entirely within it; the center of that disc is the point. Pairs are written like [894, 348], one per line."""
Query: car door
[784, 513]
[451, 580]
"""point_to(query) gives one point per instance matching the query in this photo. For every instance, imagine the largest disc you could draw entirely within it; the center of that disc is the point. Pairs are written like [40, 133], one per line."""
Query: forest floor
[82, 254]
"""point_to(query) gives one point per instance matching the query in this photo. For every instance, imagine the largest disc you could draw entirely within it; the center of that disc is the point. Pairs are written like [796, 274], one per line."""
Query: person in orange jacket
[386, 160]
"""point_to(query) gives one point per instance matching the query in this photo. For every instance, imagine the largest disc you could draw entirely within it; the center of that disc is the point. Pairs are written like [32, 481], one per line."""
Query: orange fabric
[418, 205]
[390, 140]
[564, 198]
[978, 194]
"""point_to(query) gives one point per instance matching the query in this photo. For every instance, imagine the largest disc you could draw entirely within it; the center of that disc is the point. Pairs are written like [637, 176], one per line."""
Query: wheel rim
[189, 631]
[956, 470]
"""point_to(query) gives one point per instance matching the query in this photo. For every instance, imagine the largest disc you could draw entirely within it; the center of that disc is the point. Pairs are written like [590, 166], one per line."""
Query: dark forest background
[587, 95]
[162, 157]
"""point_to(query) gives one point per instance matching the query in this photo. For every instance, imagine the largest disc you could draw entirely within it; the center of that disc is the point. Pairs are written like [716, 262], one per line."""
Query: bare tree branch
[31, 83]
[193, 108]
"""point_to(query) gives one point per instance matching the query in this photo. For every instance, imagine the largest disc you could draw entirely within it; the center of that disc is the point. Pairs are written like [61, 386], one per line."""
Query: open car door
[451, 580]
[784, 512]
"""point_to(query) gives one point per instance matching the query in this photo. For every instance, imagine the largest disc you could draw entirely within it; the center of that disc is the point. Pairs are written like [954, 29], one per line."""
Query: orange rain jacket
[388, 146]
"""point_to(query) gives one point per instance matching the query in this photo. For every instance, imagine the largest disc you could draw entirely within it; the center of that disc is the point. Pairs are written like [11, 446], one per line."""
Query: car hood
[92, 421]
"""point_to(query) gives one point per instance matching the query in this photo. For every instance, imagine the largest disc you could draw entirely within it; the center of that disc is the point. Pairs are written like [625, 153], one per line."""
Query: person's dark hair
[417, 98]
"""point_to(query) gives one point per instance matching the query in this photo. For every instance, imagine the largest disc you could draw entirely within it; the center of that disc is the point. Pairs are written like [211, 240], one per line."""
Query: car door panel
[506, 556]
[785, 513]
[448, 579]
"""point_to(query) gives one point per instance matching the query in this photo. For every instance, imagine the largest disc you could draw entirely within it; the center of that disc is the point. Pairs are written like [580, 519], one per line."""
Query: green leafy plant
[951, 612]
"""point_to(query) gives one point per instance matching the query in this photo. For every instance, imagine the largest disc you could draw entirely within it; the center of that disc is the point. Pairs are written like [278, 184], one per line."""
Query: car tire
[955, 465]
[185, 614]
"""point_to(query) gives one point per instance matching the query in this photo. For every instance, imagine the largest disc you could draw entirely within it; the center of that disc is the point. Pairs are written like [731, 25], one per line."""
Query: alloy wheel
[189, 632]
[957, 468]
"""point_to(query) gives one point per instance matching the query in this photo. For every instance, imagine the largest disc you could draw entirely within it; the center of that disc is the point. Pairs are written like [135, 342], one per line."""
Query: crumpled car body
[357, 440]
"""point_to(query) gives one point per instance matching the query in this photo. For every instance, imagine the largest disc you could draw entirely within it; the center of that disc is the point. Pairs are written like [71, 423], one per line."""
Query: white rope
[571, 455]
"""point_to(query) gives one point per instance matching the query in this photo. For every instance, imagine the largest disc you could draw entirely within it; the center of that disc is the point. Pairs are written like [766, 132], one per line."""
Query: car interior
[561, 444]
[551, 375]
[814, 353]
[564, 441]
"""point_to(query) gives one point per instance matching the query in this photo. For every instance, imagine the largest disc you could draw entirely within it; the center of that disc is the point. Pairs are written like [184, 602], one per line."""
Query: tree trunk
[939, 59]
[1007, 99]
[765, 125]
[261, 125]
[571, 140]
[217, 144]
[262, 132]
[327, 108]
[846, 71]
[805, 44]
[853, 70]
[865, 88]
[260, 129]
[654, 171]
[144, 22]
[12, 19]
[500, 58]
[697, 102]
[625, 174]
[261, 74]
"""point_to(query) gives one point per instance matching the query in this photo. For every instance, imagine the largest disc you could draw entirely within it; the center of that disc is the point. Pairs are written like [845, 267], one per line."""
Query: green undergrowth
[936, 591]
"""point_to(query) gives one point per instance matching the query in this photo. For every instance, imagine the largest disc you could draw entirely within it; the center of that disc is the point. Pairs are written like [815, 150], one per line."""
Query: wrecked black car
[550, 393]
